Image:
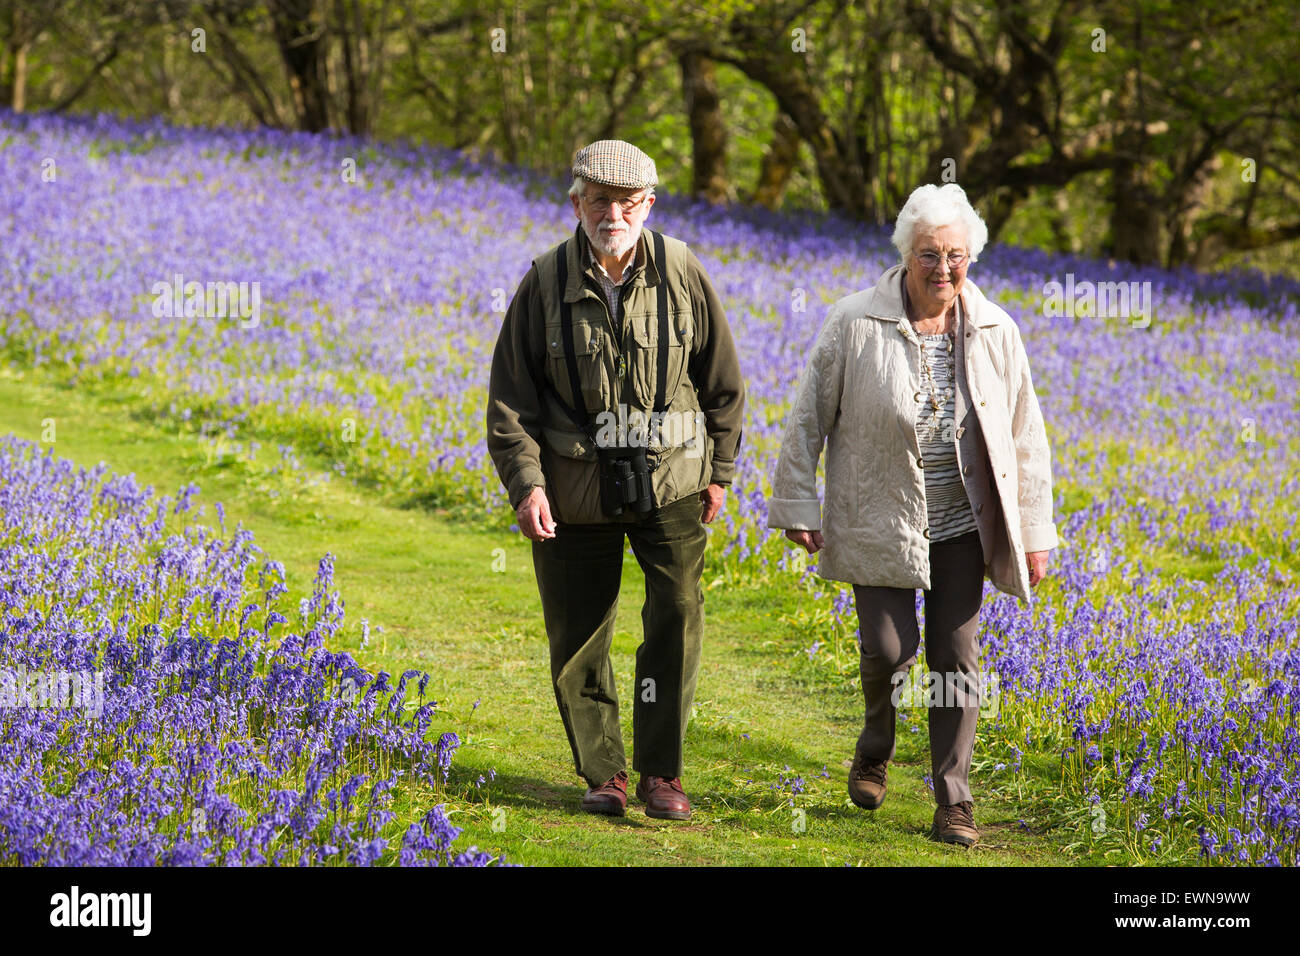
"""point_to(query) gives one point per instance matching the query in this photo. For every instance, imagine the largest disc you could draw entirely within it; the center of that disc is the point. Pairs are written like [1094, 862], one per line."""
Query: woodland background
[1153, 132]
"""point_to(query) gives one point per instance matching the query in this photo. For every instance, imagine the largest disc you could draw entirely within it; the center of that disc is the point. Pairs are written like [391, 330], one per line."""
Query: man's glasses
[601, 204]
[930, 260]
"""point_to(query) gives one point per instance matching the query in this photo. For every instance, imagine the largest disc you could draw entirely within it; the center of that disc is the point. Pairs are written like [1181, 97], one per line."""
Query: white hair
[933, 207]
[579, 184]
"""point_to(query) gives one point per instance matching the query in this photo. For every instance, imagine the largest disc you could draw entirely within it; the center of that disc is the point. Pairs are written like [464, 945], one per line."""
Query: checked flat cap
[613, 162]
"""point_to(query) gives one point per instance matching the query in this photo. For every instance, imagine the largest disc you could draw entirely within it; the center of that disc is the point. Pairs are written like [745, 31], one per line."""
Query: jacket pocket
[588, 350]
[572, 483]
[569, 444]
[645, 362]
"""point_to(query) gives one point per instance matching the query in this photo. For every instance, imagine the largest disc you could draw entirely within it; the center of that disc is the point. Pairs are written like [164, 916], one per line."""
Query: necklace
[932, 394]
[935, 397]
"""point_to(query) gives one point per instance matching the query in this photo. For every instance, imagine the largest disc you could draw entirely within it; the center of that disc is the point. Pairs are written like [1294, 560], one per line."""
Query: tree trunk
[1135, 207]
[13, 69]
[998, 207]
[1191, 205]
[1058, 219]
[19, 78]
[1134, 216]
[348, 26]
[708, 128]
[300, 35]
[843, 184]
[779, 162]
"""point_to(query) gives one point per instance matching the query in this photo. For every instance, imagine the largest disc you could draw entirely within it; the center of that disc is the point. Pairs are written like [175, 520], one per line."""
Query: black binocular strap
[583, 421]
[661, 371]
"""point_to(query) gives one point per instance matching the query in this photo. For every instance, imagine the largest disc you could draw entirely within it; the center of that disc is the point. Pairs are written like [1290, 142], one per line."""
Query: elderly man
[614, 409]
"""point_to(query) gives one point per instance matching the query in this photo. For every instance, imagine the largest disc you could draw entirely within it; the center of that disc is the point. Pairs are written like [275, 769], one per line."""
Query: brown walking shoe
[610, 798]
[664, 797]
[867, 781]
[955, 823]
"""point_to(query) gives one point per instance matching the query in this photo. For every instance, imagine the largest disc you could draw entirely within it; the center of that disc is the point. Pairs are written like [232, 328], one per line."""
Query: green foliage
[519, 83]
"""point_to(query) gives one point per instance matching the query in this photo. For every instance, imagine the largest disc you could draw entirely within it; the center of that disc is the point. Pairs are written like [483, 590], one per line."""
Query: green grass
[431, 580]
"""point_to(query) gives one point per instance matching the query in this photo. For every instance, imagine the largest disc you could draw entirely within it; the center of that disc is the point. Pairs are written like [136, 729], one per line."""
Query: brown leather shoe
[955, 823]
[664, 797]
[609, 798]
[867, 781]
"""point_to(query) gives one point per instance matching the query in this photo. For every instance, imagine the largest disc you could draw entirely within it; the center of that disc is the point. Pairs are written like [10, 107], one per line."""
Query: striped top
[950, 512]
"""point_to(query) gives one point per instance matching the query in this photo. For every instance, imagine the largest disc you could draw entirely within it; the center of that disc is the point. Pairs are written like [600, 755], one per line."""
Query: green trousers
[578, 574]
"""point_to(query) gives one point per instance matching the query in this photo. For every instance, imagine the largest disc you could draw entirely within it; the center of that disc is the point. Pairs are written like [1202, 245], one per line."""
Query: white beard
[608, 245]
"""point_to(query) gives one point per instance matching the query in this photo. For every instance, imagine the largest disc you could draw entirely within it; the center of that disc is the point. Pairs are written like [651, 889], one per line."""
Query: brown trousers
[890, 636]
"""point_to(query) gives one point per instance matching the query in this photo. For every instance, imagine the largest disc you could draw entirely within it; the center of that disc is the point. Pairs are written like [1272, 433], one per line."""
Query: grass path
[431, 584]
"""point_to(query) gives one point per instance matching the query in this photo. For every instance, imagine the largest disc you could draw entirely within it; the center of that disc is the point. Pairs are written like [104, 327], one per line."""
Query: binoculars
[624, 481]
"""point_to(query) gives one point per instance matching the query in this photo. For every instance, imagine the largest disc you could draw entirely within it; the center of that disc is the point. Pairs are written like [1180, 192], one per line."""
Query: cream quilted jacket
[857, 396]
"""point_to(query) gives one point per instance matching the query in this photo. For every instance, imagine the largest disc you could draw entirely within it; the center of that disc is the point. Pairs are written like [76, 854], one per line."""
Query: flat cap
[612, 162]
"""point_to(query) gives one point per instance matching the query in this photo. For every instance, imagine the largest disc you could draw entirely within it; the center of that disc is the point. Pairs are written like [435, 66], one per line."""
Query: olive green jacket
[534, 443]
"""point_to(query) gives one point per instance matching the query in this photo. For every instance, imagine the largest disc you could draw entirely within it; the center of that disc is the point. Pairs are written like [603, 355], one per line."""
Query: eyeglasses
[930, 260]
[601, 204]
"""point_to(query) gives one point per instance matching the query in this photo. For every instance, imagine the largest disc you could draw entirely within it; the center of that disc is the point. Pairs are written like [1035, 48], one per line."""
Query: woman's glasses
[930, 260]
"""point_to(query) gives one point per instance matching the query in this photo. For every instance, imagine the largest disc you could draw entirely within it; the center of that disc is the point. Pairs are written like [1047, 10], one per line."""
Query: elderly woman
[937, 472]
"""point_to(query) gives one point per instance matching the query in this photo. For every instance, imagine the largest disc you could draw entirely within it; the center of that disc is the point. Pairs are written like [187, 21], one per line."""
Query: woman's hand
[1037, 561]
[811, 541]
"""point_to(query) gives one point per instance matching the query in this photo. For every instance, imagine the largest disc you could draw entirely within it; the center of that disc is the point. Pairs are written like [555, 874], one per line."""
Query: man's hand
[1037, 561]
[712, 498]
[810, 541]
[534, 514]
